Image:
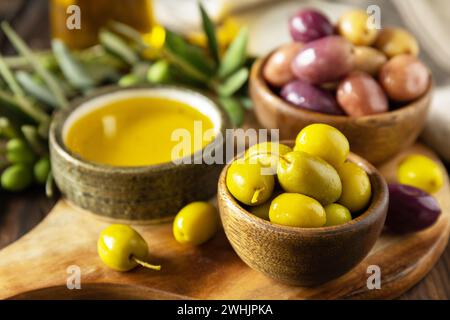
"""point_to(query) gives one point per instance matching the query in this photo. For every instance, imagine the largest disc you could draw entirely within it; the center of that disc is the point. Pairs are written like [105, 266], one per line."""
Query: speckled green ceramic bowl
[148, 193]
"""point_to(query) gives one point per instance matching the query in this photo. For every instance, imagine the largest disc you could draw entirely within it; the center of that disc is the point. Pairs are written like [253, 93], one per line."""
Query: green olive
[262, 211]
[196, 223]
[337, 214]
[421, 172]
[354, 26]
[122, 248]
[17, 177]
[248, 183]
[304, 173]
[396, 41]
[356, 188]
[17, 151]
[323, 141]
[41, 170]
[267, 154]
[129, 80]
[297, 210]
[159, 72]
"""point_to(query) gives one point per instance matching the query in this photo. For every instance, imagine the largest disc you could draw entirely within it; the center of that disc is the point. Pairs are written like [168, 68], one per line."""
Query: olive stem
[145, 264]
[285, 159]
[256, 195]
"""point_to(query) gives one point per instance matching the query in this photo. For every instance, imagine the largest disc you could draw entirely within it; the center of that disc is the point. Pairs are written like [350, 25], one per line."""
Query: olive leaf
[210, 32]
[236, 54]
[233, 83]
[26, 52]
[34, 139]
[118, 46]
[35, 89]
[127, 31]
[71, 68]
[19, 100]
[233, 109]
[190, 54]
[49, 185]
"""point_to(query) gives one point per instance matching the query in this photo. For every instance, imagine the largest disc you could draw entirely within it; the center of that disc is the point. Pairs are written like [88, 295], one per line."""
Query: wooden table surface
[20, 212]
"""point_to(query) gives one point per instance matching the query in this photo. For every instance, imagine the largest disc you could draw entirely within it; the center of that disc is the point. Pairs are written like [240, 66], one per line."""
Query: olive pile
[23, 166]
[349, 69]
[310, 186]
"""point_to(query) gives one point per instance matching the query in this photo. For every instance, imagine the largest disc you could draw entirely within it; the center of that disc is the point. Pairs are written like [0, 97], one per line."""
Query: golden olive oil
[136, 131]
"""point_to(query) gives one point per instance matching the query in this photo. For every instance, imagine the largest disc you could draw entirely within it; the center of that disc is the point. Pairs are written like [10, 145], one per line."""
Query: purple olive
[325, 60]
[410, 209]
[308, 25]
[306, 96]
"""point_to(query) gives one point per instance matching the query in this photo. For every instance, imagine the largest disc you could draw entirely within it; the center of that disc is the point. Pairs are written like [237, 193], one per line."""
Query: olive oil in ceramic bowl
[118, 153]
[131, 131]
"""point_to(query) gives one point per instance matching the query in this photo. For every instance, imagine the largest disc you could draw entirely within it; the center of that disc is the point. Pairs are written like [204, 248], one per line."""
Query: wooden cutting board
[35, 266]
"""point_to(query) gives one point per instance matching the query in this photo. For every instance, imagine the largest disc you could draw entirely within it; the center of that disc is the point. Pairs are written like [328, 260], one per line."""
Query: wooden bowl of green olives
[304, 256]
[369, 83]
[133, 192]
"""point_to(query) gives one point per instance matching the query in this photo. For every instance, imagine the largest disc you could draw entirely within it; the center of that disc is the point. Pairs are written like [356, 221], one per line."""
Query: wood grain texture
[213, 271]
[304, 256]
[375, 137]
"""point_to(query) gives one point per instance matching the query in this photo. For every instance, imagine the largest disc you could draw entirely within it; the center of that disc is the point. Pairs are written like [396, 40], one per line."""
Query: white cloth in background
[437, 129]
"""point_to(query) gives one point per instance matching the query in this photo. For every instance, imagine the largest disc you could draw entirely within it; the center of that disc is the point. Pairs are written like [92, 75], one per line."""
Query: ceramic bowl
[304, 256]
[149, 193]
[375, 137]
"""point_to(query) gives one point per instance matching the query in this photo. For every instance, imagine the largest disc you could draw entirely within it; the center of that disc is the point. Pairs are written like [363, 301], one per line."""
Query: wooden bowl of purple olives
[367, 82]
[314, 219]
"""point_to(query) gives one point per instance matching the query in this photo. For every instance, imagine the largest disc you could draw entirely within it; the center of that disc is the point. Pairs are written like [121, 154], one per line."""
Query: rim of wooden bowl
[379, 199]
[257, 77]
[57, 125]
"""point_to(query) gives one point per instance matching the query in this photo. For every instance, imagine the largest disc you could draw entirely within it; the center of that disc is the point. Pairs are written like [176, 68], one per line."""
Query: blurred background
[36, 21]
[429, 20]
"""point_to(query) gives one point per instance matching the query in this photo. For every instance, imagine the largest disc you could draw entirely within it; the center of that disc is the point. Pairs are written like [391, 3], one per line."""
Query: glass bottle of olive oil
[94, 15]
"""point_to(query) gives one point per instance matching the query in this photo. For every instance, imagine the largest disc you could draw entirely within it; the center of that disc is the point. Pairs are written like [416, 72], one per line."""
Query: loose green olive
[17, 177]
[17, 151]
[297, 210]
[337, 214]
[267, 154]
[356, 188]
[122, 248]
[323, 141]
[354, 26]
[395, 41]
[420, 172]
[304, 173]
[248, 182]
[196, 223]
[41, 170]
